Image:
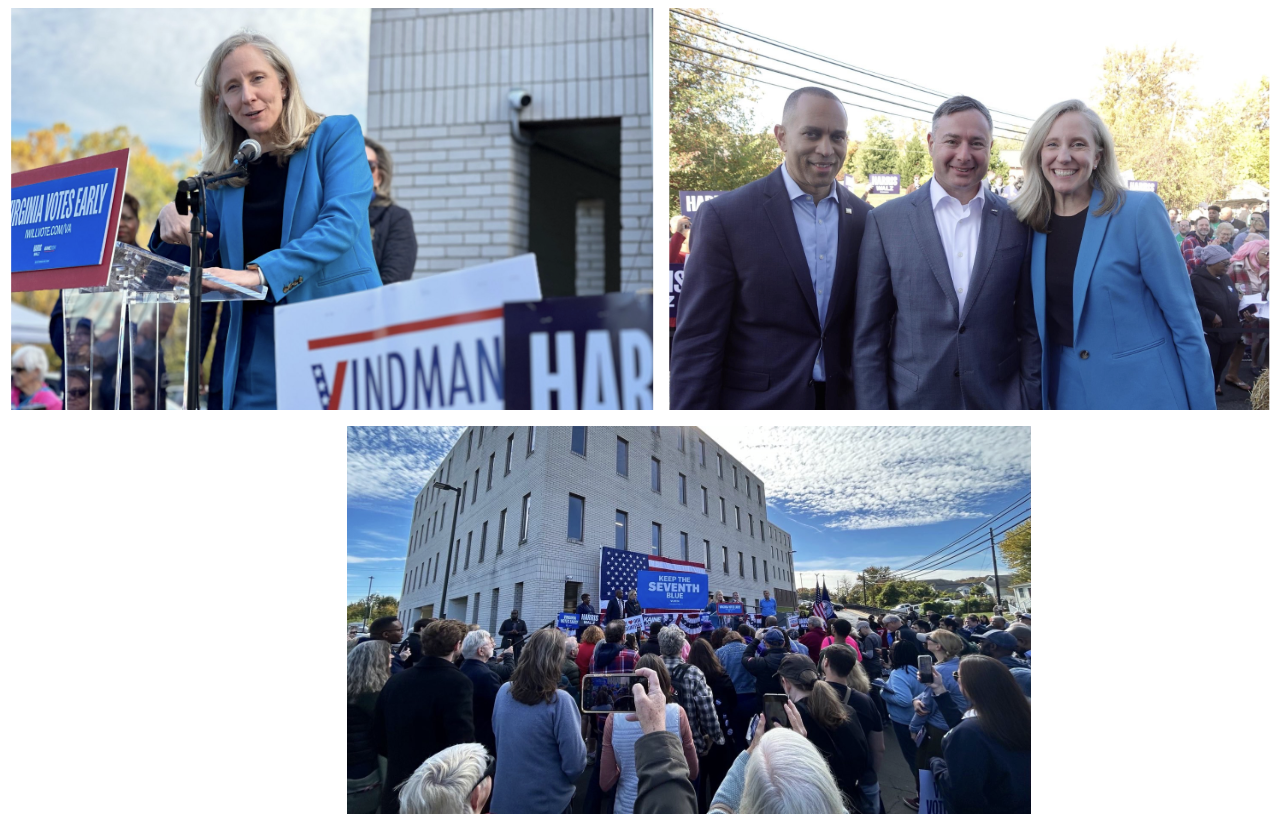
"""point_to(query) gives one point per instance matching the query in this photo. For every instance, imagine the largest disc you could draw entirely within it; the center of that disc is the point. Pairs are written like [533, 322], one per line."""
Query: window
[577, 509]
[684, 546]
[489, 484]
[532, 433]
[680, 487]
[680, 438]
[524, 518]
[511, 440]
[702, 452]
[502, 529]
[470, 434]
[737, 518]
[751, 525]
[723, 520]
[655, 540]
[493, 602]
[436, 577]
[766, 572]
[735, 477]
[725, 550]
[480, 440]
[467, 564]
[463, 498]
[719, 465]
[475, 487]
[655, 474]
[706, 553]
[759, 494]
[704, 500]
[484, 536]
[741, 573]
[519, 601]
[622, 457]
[449, 470]
[620, 530]
[754, 576]
[578, 441]
[457, 554]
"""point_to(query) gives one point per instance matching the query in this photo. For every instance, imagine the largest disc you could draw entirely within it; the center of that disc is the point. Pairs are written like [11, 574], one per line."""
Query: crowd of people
[733, 719]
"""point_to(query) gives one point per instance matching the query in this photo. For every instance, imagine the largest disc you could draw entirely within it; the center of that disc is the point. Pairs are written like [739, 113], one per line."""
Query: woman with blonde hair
[1117, 319]
[368, 668]
[298, 225]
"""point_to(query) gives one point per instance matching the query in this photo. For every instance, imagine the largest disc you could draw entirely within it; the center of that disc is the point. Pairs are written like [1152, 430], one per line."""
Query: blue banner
[567, 622]
[61, 223]
[730, 609]
[676, 591]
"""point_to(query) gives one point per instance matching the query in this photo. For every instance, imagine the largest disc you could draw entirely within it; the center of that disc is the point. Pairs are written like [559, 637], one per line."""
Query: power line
[1022, 500]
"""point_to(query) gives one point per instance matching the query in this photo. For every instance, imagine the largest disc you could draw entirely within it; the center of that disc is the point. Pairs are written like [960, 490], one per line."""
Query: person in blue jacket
[298, 226]
[1113, 305]
[900, 691]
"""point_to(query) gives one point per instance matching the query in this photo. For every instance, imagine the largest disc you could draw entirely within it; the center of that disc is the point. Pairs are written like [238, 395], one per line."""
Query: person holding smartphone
[832, 726]
[931, 720]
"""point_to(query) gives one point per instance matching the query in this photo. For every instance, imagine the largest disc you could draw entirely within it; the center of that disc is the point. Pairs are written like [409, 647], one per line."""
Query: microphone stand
[192, 196]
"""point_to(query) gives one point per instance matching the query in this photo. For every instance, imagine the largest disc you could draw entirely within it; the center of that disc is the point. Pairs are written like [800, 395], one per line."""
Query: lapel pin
[994, 212]
[848, 211]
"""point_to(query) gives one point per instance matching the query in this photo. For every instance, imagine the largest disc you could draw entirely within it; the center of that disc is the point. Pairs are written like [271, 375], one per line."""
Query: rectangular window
[470, 434]
[489, 484]
[741, 568]
[484, 536]
[754, 576]
[759, 494]
[680, 487]
[622, 457]
[577, 510]
[463, 497]
[524, 518]
[480, 440]
[502, 530]
[702, 452]
[766, 572]
[578, 441]
[436, 577]
[680, 438]
[751, 525]
[449, 470]
[655, 474]
[723, 512]
[475, 487]
[725, 550]
[655, 540]
[457, 555]
[511, 440]
[684, 546]
[467, 563]
[706, 553]
[737, 518]
[719, 465]
[619, 530]
[493, 601]
[519, 601]
[704, 500]
[735, 477]
[532, 432]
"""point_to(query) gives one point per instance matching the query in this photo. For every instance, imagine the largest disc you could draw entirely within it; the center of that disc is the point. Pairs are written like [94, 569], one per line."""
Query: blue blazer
[325, 247]
[1133, 314]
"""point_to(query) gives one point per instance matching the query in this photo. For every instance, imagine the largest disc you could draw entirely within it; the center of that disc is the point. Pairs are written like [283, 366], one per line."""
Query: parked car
[902, 608]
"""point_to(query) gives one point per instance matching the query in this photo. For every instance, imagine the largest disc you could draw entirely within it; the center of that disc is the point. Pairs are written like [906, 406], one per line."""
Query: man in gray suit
[943, 317]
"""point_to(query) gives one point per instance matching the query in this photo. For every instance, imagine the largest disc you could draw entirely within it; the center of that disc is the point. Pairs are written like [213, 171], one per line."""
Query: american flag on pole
[822, 603]
[618, 569]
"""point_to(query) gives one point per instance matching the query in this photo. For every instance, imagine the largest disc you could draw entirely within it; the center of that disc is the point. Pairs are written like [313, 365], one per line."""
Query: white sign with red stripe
[428, 343]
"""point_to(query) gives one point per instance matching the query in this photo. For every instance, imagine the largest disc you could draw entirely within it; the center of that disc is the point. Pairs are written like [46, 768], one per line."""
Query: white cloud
[356, 559]
[96, 69]
[391, 463]
[876, 477]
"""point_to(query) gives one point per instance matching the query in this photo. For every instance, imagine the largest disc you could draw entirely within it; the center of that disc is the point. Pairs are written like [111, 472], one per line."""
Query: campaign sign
[793, 621]
[636, 624]
[592, 352]
[1143, 186]
[676, 591]
[690, 201]
[429, 343]
[63, 220]
[589, 618]
[885, 184]
[674, 285]
[730, 609]
[567, 622]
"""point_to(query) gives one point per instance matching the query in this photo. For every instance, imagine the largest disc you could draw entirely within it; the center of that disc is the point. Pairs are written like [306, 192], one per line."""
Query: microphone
[249, 151]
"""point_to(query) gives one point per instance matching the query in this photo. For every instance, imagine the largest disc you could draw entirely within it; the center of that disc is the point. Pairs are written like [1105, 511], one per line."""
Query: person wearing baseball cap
[1218, 302]
[765, 665]
[1022, 634]
[1001, 646]
[832, 727]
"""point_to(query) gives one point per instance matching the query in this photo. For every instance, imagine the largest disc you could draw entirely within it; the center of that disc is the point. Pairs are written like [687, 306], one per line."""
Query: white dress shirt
[958, 226]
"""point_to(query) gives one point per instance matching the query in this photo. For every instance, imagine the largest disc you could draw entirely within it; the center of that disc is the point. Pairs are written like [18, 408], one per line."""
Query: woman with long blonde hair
[297, 226]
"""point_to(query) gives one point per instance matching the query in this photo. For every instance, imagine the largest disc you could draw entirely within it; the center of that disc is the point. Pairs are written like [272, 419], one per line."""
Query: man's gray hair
[960, 103]
[787, 774]
[793, 100]
[890, 618]
[444, 782]
[475, 639]
[671, 641]
[571, 646]
[814, 622]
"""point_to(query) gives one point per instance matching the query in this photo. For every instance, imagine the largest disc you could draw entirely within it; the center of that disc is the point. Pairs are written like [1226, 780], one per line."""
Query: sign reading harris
[62, 222]
[591, 352]
[690, 201]
[427, 343]
[1143, 186]
[885, 184]
[676, 591]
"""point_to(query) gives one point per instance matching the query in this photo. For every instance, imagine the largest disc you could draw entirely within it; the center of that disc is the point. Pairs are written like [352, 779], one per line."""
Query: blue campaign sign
[690, 201]
[593, 352]
[61, 223]
[885, 184]
[730, 609]
[567, 621]
[674, 285]
[676, 591]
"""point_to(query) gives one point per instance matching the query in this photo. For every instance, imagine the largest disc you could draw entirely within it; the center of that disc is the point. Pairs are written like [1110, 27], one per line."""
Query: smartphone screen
[775, 710]
[610, 693]
[925, 665]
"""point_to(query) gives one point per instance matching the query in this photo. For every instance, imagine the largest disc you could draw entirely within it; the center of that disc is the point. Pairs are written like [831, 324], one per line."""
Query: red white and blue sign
[62, 222]
[620, 569]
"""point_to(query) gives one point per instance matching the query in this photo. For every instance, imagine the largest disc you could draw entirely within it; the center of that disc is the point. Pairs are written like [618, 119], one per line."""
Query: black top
[1217, 295]
[1060, 252]
[263, 214]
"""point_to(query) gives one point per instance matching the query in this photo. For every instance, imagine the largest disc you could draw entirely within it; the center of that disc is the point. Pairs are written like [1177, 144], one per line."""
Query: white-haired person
[477, 649]
[1113, 303]
[458, 779]
[368, 668]
[29, 367]
[298, 226]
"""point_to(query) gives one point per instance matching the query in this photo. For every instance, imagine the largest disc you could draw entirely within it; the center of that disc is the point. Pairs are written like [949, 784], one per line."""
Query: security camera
[519, 98]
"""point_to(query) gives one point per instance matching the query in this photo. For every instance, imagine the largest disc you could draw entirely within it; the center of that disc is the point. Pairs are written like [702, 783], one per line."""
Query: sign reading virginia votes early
[61, 223]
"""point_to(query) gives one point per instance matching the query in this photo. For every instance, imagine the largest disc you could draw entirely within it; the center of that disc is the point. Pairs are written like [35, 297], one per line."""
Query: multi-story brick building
[571, 181]
[537, 503]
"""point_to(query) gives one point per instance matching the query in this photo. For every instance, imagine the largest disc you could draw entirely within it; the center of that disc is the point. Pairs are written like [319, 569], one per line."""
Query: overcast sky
[1019, 58]
[851, 497]
[95, 69]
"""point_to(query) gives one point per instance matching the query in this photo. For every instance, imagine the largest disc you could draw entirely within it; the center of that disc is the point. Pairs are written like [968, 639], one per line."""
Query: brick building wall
[438, 85]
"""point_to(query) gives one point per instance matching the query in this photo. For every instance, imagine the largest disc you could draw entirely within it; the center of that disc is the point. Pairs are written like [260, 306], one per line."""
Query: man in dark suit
[513, 632]
[424, 709]
[614, 611]
[944, 317]
[766, 308]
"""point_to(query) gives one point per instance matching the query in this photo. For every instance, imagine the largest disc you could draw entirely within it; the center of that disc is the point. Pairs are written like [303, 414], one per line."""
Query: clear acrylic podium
[134, 330]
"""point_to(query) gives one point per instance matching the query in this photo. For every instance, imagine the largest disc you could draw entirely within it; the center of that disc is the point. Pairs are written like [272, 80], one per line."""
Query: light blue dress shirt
[819, 227]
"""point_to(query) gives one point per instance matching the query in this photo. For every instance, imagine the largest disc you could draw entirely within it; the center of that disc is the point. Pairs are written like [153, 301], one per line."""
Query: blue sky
[95, 69]
[850, 496]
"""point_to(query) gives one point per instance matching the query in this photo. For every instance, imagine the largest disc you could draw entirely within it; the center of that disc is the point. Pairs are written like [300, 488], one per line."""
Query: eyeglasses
[373, 165]
[488, 772]
[77, 393]
[19, 369]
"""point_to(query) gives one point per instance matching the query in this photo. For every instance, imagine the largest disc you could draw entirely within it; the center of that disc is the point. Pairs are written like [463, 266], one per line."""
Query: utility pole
[369, 612]
[994, 570]
[448, 561]
[863, 576]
